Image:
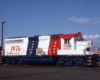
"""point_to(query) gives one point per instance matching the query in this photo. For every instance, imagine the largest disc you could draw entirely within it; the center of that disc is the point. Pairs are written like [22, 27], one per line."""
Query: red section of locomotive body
[55, 42]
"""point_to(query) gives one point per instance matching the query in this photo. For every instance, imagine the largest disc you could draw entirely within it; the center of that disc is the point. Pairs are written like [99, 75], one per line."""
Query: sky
[45, 17]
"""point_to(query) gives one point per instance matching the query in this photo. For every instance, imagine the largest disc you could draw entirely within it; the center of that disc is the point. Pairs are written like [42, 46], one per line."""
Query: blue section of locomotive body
[32, 46]
[38, 60]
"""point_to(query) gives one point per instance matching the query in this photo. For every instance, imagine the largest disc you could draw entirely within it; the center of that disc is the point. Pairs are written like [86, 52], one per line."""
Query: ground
[48, 72]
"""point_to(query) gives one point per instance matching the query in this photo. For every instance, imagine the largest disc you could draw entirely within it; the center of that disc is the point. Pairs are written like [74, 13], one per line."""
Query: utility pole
[2, 36]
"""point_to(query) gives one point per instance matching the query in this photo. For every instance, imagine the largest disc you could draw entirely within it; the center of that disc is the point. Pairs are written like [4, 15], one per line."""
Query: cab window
[66, 41]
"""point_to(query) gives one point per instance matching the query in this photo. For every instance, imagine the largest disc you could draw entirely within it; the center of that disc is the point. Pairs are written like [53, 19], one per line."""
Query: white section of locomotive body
[76, 47]
[44, 44]
[16, 46]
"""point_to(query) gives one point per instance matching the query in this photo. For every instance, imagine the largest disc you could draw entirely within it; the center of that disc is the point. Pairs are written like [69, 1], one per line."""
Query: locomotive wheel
[57, 63]
[84, 63]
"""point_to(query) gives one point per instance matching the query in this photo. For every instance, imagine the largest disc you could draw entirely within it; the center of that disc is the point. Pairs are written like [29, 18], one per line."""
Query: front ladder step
[89, 61]
[0, 60]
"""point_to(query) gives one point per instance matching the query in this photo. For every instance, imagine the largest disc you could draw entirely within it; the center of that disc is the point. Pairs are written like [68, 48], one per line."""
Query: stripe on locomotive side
[54, 44]
[32, 46]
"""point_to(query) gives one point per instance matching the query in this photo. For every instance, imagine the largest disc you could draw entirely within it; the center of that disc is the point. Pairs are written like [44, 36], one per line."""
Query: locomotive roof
[64, 36]
[68, 36]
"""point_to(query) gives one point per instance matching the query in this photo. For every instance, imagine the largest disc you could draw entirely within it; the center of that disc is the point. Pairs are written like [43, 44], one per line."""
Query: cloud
[95, 22]
[91, 36]
[80, 20]
[84, 20]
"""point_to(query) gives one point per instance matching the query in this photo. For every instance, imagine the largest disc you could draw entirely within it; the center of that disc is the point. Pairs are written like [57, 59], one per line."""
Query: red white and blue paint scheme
[61, 49]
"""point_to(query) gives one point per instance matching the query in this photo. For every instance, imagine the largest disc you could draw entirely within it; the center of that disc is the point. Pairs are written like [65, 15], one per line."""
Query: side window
[87, 49]
[66, 41]
[78, 39]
